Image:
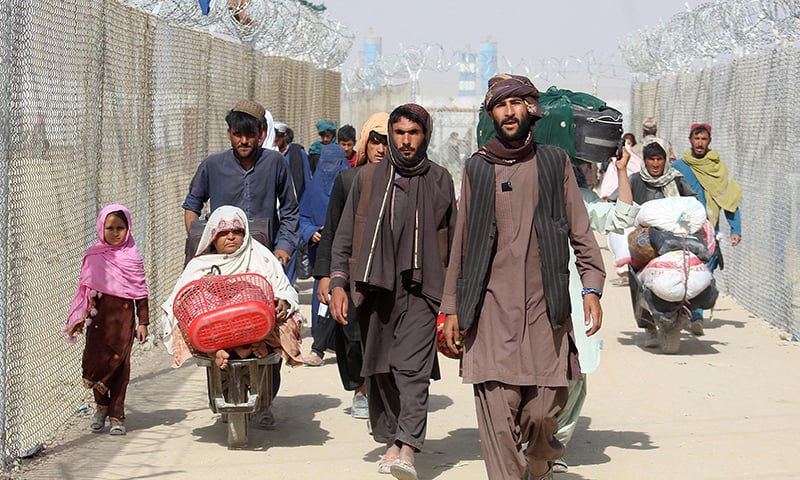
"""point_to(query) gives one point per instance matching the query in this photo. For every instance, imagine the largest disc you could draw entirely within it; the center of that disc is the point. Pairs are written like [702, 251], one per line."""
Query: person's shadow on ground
[438, 402]
[588, 447]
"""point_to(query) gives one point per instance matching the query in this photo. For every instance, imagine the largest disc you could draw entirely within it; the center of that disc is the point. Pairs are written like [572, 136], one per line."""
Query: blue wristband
[587, 291]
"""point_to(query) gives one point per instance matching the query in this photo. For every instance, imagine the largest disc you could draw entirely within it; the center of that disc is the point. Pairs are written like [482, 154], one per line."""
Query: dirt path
[727, 406]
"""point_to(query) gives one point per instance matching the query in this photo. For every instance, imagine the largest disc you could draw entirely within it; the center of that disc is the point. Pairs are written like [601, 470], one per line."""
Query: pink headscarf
[113, 269]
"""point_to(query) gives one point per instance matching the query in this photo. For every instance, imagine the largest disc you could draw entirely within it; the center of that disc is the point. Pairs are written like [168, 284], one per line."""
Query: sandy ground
[727, 406]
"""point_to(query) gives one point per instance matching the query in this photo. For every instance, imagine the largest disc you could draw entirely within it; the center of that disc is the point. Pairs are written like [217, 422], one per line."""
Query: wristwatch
[587, 291]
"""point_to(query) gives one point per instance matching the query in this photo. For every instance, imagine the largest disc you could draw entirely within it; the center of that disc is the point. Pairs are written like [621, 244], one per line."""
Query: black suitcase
[597, 133]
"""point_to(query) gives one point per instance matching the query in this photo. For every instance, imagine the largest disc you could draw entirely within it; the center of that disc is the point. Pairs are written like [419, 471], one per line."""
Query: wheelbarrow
[239, 392]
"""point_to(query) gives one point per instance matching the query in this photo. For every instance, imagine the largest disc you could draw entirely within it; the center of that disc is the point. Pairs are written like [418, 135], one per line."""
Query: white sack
[674, 214]
[665, 276]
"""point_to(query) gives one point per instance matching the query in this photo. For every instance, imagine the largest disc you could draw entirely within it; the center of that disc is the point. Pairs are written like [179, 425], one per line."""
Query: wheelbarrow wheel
[670, 340]
[237, 430]
[238, 421]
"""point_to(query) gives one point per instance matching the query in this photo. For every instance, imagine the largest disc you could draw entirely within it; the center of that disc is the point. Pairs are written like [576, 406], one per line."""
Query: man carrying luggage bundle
[507, 284]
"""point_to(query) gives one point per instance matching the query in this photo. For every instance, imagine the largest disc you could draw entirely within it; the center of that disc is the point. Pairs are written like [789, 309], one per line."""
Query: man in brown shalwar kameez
[507, 285]
[392, 246]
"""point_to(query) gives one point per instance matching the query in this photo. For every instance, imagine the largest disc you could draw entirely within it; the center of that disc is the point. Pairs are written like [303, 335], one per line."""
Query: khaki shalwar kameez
[519, 365]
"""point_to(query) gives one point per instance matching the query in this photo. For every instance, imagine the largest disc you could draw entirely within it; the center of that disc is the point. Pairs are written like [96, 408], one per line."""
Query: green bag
[485, 129]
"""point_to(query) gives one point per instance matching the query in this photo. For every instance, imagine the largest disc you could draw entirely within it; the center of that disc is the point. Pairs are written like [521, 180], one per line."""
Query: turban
[419, 163]
[505, 85]
[323, 126]
[421, 113]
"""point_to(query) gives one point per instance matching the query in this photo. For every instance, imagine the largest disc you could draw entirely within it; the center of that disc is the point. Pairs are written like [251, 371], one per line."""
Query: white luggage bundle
[682, 215]
[676, 275]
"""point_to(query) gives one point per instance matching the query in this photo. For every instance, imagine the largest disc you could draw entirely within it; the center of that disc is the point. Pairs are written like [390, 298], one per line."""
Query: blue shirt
[734, 218]
[264, 191]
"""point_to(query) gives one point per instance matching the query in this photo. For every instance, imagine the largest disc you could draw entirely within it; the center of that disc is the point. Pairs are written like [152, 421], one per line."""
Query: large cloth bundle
[676, 276]
[682, 215]
[582, 124]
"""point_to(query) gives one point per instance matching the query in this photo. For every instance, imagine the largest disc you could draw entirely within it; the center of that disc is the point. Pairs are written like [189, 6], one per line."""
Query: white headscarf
[269, 143]
[666, 181]
[252, 256]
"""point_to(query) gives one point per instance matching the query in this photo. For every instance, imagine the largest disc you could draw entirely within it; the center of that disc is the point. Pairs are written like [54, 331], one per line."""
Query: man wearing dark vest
[506, 291]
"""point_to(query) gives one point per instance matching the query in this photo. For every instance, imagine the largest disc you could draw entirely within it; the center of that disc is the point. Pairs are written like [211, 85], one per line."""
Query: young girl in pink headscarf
[111, 295]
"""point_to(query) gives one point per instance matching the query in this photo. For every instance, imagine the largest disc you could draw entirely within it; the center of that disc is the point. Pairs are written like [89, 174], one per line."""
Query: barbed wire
[721, 28]
[285, 28]
[411, 61]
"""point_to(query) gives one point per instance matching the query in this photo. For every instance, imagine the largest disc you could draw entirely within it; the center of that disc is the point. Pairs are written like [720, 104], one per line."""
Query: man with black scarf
[392, 246]
[506, 294]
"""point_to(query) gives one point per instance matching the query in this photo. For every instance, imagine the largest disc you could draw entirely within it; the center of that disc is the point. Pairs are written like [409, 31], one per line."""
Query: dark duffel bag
[664, 242]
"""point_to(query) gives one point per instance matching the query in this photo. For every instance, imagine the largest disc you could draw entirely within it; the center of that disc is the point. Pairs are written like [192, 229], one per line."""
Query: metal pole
[6, 99]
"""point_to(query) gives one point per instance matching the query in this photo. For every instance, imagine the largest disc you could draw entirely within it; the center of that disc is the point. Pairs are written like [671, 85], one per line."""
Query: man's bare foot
[389, 458]
[404, 468]
[221, 359]
[243, 352]
[407, 454]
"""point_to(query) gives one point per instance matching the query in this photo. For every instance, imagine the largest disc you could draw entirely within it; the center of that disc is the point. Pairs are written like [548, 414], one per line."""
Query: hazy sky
[527, 30]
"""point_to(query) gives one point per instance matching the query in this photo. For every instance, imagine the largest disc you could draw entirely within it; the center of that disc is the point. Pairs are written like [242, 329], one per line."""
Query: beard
[699, 154]
[521, 133]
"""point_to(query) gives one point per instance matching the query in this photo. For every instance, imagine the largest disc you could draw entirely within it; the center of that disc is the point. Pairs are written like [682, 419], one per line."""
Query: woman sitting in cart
[226, 244]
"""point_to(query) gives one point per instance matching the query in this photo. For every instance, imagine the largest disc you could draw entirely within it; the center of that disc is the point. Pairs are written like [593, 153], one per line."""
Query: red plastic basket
[441, 343]
[225, 311]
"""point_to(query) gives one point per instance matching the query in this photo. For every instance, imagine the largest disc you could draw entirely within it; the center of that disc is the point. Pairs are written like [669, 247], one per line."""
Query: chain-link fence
[751, 106]
[102, 103]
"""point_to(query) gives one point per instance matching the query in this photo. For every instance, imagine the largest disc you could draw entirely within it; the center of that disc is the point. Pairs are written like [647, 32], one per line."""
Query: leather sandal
[403, 470]
[98, 421]
[117, 426]
[385, 465]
